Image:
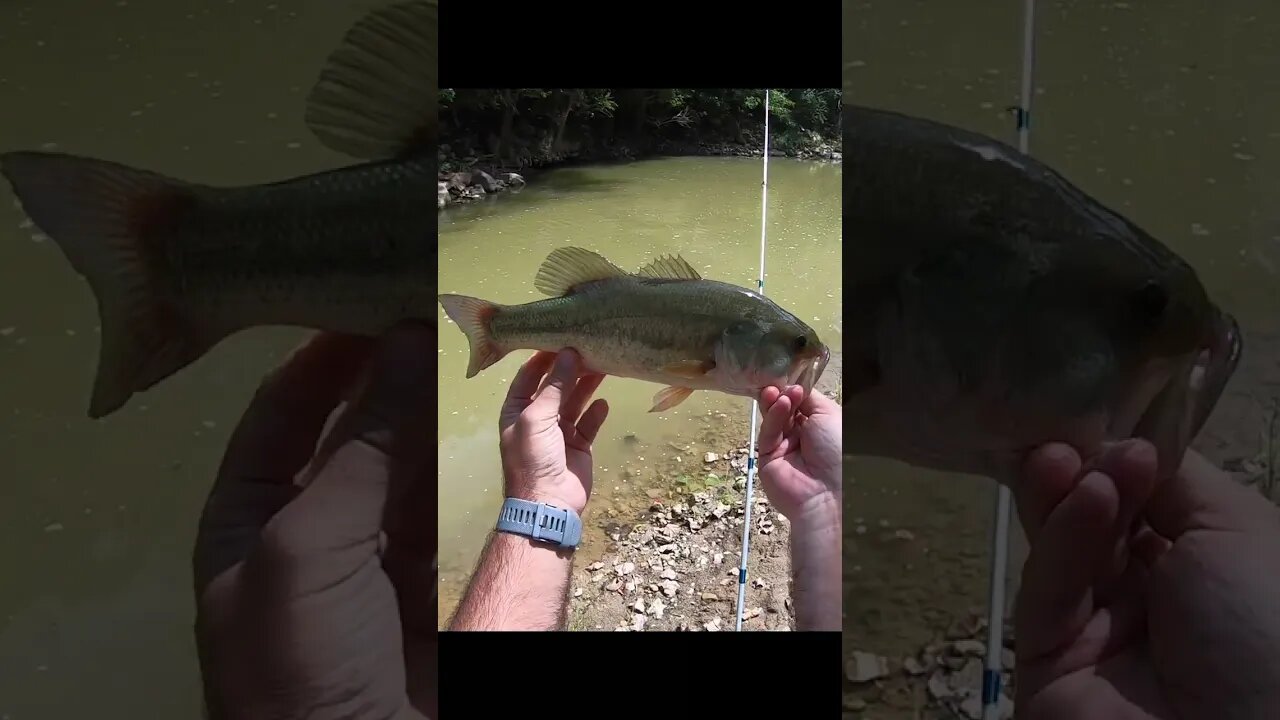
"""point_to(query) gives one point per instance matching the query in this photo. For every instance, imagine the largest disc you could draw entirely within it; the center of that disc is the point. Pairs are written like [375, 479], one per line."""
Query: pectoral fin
[691, 369]
[668, 398]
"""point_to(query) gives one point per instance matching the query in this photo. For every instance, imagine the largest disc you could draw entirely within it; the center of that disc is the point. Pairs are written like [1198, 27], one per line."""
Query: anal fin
[668, 398]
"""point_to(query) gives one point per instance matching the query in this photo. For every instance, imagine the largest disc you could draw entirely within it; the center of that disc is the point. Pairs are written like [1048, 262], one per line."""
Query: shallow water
[1163, 111]
[705, 209]
[97, 518]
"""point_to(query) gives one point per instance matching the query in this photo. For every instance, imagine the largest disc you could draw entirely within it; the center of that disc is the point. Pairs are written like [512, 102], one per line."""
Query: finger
[592, 420]
[271, 444]
[1049, 473]
[277, 433]
[337, 518]
[577, 400]
[1132, 466]
[775, 425]
[529, 378]
[1056, 600]
[768, 396]
[563, 376]
[817, 403]
[1200, 496]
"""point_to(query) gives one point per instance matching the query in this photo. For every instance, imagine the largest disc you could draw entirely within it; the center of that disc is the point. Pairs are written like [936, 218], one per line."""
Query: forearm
[816, 566]
[519, 584]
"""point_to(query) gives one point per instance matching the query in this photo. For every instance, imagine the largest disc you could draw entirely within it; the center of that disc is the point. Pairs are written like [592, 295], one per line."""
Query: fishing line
[755, 404]
[991, 677]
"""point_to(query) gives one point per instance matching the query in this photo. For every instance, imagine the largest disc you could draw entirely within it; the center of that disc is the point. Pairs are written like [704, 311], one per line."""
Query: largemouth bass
[177, 266]
[663, 324]
[995, 306]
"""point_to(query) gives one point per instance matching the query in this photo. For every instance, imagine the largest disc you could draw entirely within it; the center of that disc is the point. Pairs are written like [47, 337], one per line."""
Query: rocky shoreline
[942, 680]
[480, 180]
[677, 568]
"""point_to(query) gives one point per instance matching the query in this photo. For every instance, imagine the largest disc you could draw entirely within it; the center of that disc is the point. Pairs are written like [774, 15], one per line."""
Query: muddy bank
[468, 179]
[669, 551]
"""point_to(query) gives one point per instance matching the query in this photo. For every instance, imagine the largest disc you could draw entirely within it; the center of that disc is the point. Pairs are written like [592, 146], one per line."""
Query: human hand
[799, 447]
[299, 611]
[1145, 601]
[544, 435]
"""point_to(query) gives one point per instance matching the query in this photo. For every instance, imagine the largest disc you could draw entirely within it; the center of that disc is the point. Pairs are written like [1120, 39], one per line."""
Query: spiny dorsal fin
[377, 94]
[568, 267]
[668, 267]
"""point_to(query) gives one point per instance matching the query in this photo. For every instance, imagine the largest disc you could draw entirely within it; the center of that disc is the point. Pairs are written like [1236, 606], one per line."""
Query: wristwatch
[540, 521]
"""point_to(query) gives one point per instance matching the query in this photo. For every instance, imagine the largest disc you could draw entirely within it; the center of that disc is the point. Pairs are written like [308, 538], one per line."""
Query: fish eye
[801, 342]
[1150, 300]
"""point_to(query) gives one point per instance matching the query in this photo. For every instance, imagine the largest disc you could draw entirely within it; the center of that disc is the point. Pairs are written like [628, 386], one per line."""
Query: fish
[177, 266]
[663, 323]
[994, 307]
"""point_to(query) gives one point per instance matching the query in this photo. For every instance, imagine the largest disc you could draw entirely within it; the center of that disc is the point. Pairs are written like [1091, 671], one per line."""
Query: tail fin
[472, 316]
[111, 222]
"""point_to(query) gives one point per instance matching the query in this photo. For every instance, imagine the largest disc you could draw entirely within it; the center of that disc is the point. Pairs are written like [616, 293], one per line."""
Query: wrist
[818, 514]
[540, 495]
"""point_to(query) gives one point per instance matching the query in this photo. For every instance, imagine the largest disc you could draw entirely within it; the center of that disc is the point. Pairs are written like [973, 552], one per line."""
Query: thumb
[385, 429]
[1201, 496]
[563, 375]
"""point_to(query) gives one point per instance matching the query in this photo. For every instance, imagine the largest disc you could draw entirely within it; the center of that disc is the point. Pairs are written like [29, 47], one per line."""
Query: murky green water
[97, 518]
[1164, 111]
[705, 209]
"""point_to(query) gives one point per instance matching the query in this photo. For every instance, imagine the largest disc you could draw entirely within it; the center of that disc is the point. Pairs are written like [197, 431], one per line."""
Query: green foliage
[514, 124]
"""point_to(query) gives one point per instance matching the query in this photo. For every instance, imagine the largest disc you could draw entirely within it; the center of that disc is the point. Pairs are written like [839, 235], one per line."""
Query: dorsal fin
[377, 95]
[568, 267]
[669, 267]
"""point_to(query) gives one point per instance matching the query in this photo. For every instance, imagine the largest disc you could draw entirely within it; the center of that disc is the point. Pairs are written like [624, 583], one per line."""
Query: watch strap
[540, 521]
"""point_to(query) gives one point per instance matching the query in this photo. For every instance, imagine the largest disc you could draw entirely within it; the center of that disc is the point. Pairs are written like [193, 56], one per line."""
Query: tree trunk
[508, 120]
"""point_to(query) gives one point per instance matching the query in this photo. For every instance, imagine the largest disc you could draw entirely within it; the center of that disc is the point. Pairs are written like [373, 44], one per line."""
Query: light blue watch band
[540, 521]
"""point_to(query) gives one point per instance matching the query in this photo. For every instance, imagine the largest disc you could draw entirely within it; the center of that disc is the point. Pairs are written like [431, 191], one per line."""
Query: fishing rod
[755, 404]
[991, 677]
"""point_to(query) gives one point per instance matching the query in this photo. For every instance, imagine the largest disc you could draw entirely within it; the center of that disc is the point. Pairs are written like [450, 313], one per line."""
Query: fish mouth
[809, 372]
[1180, 410]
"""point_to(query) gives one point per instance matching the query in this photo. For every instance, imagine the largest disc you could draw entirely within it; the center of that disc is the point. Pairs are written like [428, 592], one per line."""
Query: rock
[938, 687]
[713, 625]
[854, 703]
[720, 510]
[753, 613]
[970, 647]
[625, 568]
[766, 526]
[717, 558]
[670, 588]
[638, 621]
[668, 574]
[442, 195]
[865, 667]
[614, 586]
[969, 679]
[694, 525]
[759, 583]
[709, 597]
[656, 608]
[512, 179]
[639, 605]
[971, 707]
[577, 592]
[595, 566]
[904, 535]
[913, 666]
[485, 181]
[710, 457]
